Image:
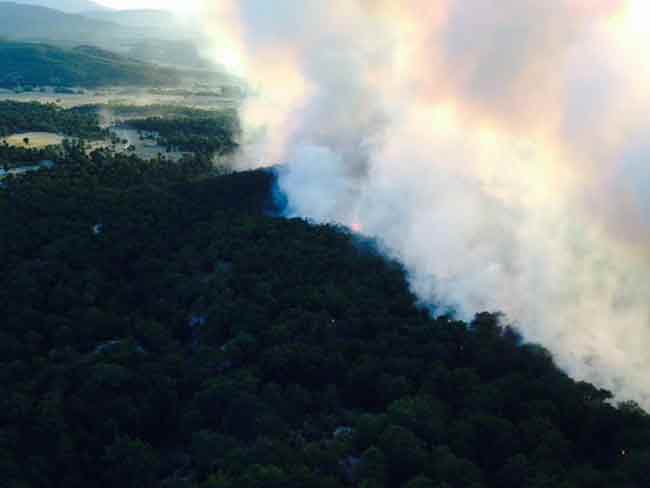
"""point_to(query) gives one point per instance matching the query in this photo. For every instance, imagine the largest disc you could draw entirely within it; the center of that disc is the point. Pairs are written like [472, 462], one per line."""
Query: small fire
[356, 227]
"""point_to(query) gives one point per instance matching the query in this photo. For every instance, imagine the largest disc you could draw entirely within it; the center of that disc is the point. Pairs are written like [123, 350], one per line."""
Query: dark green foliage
[156, 110]
[197, 131]
[18, 117]
[159, 328]
[420, 482]
[12, 156]
[131, 464]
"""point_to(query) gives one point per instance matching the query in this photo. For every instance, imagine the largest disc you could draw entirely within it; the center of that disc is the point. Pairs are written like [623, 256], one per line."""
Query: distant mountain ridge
[154, 36]
[148, 18]
[110, 29]
[68, 6]
[33, 22]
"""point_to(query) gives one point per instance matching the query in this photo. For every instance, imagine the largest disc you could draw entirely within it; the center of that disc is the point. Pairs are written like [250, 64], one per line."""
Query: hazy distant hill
[152, 25]
[135, 18]
[32, 64]
[27, 22]
[70, 6]
[149, 35]
[168, 52]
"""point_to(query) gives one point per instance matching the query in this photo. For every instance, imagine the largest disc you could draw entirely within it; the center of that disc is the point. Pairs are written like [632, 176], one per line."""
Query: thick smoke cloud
[498, 148]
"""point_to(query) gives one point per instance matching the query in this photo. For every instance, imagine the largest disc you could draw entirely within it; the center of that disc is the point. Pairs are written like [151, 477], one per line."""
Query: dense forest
[16, 117]
[163, 327]
[12, 156]
[197, 131]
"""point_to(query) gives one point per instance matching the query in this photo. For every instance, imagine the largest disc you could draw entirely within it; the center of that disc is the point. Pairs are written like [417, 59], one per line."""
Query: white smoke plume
[498, 148]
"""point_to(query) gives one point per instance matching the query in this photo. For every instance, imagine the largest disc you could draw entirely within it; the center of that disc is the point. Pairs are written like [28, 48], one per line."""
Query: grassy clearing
[36, 140]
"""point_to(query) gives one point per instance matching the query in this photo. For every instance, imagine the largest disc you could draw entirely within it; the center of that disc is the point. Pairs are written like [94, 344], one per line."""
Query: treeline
[162, 329]
[155, 110]
[205, 132]
[104, 168]
[194, 131]
[17, 117]
[12, 156]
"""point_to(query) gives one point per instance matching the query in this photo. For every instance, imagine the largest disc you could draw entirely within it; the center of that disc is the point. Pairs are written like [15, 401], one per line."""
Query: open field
[36, 140]
[124, 96]
[146, 149]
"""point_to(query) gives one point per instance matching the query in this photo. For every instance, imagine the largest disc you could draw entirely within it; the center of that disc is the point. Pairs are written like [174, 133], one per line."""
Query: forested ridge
[163, 327]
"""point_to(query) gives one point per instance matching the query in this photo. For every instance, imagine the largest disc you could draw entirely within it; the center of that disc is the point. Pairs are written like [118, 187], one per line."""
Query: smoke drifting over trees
[498, 149]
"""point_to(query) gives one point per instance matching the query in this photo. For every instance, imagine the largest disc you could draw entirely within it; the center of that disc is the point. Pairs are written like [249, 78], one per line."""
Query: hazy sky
[179, 5]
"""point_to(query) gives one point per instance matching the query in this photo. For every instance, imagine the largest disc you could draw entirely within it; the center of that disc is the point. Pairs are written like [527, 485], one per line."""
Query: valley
[149, 132]
[212, 97]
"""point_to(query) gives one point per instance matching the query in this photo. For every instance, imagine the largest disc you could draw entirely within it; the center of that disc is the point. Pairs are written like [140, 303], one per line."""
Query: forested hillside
[163, 328]
[33, 64]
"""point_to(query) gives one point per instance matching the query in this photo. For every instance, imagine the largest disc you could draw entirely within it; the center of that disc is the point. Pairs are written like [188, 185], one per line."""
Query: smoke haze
[497, 148]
